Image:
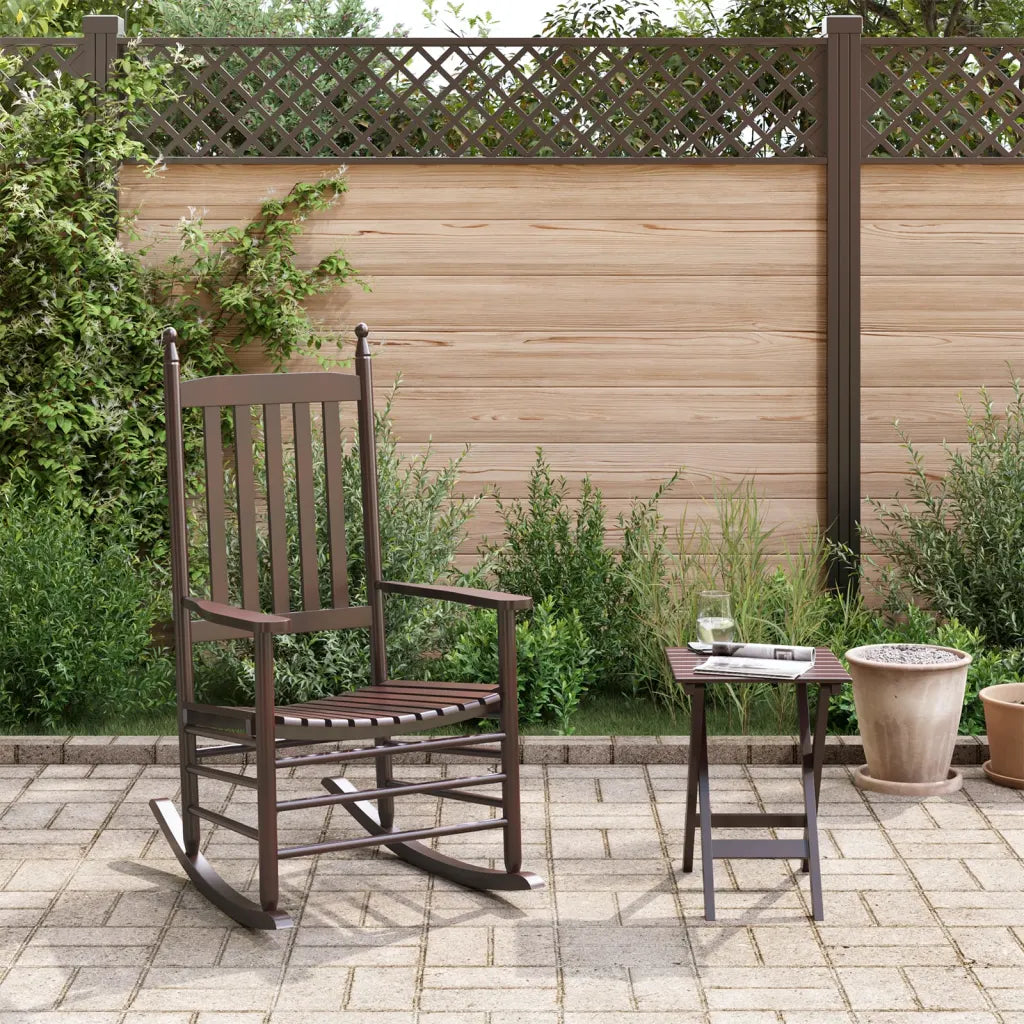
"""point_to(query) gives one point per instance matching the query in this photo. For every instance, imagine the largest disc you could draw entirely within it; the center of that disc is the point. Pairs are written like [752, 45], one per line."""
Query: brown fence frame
[934, 100]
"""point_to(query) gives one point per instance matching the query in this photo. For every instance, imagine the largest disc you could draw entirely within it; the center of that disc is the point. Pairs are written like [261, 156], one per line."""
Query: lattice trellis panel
[944, 99]
[39, 58]
[493, 99]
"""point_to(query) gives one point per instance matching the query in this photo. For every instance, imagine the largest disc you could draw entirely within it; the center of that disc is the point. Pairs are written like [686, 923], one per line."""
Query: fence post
[842, 395]
[100, 44]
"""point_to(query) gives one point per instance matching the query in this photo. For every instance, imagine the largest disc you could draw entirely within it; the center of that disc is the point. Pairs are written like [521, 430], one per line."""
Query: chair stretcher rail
[389, 837]
[397, 789]
[396, 749]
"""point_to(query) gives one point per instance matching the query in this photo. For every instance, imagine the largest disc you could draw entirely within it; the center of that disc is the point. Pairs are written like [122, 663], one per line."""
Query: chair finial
[168, 339]
[362, 346]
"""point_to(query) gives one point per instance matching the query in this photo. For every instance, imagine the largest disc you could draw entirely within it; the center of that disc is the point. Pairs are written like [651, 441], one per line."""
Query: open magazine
[757, 661]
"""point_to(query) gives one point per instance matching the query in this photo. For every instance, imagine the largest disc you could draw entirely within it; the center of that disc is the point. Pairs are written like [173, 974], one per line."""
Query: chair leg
[189, 792]
[385, 804]
[266, 773]
[508, 683]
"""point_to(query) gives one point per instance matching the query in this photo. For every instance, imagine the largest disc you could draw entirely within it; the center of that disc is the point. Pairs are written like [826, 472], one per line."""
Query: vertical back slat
[275, 507]
[216, 511]
[246, 507]
[335, 504]
[306, 500]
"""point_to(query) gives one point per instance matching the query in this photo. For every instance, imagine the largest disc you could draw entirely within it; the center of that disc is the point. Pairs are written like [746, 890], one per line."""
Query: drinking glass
[715, 623]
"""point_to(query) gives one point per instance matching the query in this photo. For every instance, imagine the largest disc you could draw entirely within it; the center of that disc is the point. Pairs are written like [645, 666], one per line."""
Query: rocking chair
[378, 712]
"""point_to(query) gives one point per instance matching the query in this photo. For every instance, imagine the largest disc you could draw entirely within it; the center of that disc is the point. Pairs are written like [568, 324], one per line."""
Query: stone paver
[925, 915]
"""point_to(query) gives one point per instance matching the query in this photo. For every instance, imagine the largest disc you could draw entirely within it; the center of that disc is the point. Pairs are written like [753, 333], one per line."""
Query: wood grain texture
[596, 302]
[920, 303]
[926, 414]
[541, 415]
[642, 192]
[628, 469]
[475, 248]
[967, 359]
[973, 248]
[573, 359]
[631, 319]
[941, 192]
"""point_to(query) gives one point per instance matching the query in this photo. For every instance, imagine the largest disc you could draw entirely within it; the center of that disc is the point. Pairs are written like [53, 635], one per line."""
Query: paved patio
[924, 905]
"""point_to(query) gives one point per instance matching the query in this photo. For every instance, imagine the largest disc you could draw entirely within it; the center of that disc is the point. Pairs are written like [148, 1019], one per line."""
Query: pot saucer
[1002, 780]
[953, 781]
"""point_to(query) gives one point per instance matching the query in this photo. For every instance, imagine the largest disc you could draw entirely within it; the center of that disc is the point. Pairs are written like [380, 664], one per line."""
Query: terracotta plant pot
[908, 714]
[1004, 723]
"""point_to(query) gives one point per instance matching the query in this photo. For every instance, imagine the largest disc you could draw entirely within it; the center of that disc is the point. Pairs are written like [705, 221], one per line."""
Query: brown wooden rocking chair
[378, 712]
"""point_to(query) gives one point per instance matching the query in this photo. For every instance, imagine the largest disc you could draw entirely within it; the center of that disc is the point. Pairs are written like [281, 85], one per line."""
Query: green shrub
[81, 417]
[553, 656]
[957, 545]
[75, 623]
[553, 551]
[422, 524]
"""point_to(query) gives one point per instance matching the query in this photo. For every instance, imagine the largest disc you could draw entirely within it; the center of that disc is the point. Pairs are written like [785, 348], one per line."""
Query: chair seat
[398, 702]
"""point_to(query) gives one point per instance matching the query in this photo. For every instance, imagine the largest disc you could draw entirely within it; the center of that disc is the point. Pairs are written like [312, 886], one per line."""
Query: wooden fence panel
[943, 294]
[630, 319]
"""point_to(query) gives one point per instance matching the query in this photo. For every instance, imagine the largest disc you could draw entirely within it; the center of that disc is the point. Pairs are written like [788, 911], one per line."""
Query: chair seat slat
[375, 704]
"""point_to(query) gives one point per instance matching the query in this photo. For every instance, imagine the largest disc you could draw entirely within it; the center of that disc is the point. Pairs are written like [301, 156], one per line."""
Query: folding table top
[827, 670]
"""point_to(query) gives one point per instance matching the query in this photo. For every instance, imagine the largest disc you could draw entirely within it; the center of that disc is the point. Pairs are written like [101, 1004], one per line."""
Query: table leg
[690, 821]
[820, 730]
[810, 770]
[707, 859]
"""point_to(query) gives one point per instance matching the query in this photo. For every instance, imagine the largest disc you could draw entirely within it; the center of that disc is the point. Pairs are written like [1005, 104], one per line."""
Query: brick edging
[534, 750]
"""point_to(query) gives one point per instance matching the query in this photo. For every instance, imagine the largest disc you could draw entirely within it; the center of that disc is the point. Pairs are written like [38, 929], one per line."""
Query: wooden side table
[828, 674]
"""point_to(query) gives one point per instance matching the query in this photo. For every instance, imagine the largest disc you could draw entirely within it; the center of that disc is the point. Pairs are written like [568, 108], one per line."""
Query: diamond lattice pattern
[580, 99]
[944, 100]
[39, 59]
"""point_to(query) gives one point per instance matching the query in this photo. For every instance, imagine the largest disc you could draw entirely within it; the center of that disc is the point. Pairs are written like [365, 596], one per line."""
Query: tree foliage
[894, 18]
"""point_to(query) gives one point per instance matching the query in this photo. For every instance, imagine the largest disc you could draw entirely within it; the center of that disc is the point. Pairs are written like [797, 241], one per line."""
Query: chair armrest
[460, 595]
[229, 615]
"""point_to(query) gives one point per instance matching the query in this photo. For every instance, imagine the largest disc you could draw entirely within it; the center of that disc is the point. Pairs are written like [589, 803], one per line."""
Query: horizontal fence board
[938, 303]
[571, 359]
[541, 415]
[474, 248]
[609, 302]
[628, 469]
[791, 520]
[925, 413]
[974, 248]
[944, 192]
[639, 192]
[885, 467]
[961, 359]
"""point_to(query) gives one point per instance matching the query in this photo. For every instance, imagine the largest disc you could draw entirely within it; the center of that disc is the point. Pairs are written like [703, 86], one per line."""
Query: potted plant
[1004, 723]
[909, 698]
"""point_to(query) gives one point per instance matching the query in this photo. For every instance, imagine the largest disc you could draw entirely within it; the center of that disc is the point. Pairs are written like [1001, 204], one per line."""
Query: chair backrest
[259, 483]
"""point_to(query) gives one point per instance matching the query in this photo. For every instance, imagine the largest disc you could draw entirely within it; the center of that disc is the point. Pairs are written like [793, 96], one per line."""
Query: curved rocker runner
[376, 713]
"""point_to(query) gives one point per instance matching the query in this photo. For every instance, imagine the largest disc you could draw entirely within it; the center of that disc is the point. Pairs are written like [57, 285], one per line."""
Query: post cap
[835, 24]
[362, 346]
[168, 338]
[103, 24]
